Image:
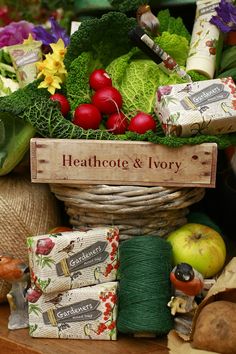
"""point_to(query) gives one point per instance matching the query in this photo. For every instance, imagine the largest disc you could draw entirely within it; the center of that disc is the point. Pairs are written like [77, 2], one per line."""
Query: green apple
[200, 246]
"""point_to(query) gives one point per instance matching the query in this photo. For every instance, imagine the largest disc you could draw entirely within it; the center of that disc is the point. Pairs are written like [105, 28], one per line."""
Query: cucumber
[15, 136]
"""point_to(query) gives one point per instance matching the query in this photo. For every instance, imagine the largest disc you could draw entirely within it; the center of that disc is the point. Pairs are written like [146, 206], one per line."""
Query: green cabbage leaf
[137, 78]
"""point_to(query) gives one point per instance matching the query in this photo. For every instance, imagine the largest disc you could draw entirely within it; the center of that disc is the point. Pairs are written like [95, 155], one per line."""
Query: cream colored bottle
[203, 45]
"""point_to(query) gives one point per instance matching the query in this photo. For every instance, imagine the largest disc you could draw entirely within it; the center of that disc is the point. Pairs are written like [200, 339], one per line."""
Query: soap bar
[73, 259]
[201, 107]
[83, 313]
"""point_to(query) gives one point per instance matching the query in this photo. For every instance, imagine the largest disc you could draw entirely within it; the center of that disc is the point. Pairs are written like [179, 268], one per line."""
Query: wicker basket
[135, 210]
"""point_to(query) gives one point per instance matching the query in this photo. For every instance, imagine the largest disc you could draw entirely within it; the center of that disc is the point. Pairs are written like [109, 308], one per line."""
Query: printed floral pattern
[113, 265]
[108, 322]
[68, 260]
[44, 246]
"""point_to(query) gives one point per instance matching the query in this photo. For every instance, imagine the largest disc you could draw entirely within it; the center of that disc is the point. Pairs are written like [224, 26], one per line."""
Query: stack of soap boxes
[73, 290]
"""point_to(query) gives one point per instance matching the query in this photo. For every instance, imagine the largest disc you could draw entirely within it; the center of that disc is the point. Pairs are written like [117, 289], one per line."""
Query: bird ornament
[16, 272]
[187, 283]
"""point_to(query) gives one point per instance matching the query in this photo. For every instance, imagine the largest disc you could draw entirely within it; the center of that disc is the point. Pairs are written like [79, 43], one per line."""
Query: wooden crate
[122, 163]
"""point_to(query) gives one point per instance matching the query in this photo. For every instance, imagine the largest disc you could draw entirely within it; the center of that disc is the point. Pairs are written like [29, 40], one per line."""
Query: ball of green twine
[145, 289]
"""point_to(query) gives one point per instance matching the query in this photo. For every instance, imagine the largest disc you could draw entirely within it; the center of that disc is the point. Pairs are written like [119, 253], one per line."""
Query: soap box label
[84, 313]
[122, 163]
[91, 255]
[80, 311]
[73, 259]
[201, 107]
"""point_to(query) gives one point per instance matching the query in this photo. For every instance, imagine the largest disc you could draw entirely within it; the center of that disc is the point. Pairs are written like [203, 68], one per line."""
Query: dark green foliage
[77, 82]
[127, 5]
[106, 37]
[18, 101]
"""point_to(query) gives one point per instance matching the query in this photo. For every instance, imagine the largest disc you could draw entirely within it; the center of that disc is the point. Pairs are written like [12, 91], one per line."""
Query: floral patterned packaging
[73, 259]
[204, 40]
[201, 107]
[24, 58]
[85, 313]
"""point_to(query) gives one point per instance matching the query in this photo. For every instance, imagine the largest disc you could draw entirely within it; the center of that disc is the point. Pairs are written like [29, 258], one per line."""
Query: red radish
[117, 123]
[87, 116]
[99, 78]
[107, 99]
[63, 102]
[141, 123]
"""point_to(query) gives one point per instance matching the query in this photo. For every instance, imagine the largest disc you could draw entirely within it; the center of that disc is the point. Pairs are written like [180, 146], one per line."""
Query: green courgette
[15, 135]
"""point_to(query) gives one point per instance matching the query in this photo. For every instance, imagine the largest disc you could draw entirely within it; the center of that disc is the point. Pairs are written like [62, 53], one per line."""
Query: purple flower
[225, 18]
[44, 246]
[15, 33]
[56, 32]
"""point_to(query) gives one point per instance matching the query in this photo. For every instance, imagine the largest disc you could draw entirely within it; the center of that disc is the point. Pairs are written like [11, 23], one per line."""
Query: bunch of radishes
[107, 102]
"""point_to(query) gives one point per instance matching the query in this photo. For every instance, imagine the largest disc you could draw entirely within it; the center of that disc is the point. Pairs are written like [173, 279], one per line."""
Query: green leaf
[34, 309]
[228, 59]
[32, 328]
[44, 283]
[29, 242]
[47, 262]
[2, 133]
[227, 73]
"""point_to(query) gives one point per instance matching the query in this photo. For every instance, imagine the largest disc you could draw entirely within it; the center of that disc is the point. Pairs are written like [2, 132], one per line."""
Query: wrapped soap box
[201, 107]
[83, 313]
[73, 259]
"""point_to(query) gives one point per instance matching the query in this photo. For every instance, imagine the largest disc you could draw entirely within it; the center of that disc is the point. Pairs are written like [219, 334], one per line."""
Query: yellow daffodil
[51, 83]
[59, 48]
[29, 40]
[53, 68]
[54, 64]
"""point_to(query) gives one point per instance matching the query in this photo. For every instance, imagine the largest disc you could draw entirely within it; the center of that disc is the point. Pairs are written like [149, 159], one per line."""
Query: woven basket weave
[135, 210]
[26, 209]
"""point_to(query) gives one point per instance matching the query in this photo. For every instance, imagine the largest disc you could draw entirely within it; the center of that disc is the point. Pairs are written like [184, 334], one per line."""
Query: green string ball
[145, 289]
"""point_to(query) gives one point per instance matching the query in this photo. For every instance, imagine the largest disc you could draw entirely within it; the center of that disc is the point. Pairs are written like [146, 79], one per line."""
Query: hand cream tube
[24, 58]
[205, 36]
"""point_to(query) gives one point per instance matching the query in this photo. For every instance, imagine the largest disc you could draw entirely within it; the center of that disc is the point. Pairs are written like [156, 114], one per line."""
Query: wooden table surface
[19, 342]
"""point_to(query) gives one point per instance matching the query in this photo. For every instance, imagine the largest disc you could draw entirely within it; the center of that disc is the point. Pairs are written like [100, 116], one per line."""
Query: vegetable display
[103, 44]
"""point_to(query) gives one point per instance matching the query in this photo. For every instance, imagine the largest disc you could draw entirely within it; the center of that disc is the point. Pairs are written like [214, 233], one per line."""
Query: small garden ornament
[16, 272]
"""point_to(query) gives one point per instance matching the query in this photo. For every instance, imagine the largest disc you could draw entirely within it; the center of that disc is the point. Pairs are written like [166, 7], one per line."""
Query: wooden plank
[19, 342]
[122, 163]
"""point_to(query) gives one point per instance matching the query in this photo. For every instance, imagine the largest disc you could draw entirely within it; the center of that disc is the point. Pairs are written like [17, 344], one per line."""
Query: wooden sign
[122, 163]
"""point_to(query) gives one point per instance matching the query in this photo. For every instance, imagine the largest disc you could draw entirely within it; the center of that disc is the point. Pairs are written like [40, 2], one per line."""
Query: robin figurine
[187, 283]
[187, 279]
[16, 272]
